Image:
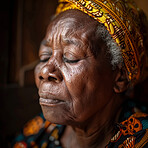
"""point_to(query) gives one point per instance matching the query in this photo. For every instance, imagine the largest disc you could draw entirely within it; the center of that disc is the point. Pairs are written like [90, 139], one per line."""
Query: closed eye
[70, 61]
[44, 60]
[44, 57]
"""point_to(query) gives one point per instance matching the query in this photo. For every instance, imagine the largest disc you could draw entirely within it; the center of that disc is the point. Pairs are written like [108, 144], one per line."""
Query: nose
[50, 72]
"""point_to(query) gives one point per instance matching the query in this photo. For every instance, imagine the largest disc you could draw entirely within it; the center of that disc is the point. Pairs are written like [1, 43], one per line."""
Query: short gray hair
[112, 47]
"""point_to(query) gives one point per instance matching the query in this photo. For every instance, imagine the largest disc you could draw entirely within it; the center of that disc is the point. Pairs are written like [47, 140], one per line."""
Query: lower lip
[50, 102]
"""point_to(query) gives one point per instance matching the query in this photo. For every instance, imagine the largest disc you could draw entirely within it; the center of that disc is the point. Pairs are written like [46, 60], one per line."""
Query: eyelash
[45, 60]
[64, 59]
[70, 61]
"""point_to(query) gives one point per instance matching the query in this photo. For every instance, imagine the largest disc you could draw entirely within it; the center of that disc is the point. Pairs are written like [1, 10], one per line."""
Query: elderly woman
[93, 52]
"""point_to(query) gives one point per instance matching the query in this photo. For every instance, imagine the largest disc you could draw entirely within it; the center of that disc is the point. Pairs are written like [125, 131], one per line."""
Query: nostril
[41, 78]
[52, 78]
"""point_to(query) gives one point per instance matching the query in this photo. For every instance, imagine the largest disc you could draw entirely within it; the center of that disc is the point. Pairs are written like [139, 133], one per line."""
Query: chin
[55, 115]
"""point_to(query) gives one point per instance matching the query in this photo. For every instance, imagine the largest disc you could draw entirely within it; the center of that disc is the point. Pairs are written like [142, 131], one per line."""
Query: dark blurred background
[22, 27]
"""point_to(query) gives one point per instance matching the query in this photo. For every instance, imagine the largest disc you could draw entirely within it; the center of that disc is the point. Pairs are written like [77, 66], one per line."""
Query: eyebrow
[45, 43]
[73, 41]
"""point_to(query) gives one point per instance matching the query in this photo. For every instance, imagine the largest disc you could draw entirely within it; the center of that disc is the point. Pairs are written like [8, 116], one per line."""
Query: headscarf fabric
[121, 19]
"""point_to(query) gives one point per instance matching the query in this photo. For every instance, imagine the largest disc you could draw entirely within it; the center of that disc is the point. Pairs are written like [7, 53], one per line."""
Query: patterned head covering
[121, 19]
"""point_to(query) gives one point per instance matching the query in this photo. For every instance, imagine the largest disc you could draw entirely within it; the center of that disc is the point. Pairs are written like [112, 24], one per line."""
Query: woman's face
[73, 84]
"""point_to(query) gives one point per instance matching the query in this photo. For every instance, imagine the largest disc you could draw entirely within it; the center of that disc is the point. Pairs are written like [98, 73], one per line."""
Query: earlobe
[121, 81]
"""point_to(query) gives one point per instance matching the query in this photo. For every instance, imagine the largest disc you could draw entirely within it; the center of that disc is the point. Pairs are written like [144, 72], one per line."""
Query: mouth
[50, 102]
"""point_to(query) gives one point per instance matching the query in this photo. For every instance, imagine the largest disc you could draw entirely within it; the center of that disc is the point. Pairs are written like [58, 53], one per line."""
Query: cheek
[80, 84]
[75, 80]
[89, 88]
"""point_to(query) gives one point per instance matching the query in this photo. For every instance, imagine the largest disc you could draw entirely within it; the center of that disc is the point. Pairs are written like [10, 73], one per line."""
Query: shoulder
[38, 133]
[132, 132]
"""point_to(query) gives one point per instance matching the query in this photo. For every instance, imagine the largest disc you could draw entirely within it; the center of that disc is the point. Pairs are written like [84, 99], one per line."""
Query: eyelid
[70, 58]
[45, 55]
[44, 51]
[70, 61]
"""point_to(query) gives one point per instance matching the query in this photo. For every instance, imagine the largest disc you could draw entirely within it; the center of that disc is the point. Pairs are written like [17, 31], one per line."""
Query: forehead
[72, 22]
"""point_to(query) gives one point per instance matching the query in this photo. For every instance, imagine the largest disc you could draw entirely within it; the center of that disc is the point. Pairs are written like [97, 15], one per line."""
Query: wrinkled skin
[75, 87]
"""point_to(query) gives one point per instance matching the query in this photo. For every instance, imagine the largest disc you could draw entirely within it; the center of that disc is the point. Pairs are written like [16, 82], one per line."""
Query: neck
[98, 130]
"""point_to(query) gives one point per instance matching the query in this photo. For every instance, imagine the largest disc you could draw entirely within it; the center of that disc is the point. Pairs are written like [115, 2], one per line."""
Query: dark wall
[23, 25]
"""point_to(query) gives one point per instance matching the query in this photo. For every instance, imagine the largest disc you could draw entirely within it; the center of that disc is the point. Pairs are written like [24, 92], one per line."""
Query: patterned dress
[130, 132]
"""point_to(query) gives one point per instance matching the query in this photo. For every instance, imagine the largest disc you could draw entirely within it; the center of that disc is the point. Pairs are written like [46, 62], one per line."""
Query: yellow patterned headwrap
[121, 19]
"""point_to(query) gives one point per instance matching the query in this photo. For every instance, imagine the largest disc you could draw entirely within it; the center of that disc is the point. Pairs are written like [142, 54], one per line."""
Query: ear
[121, 81]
